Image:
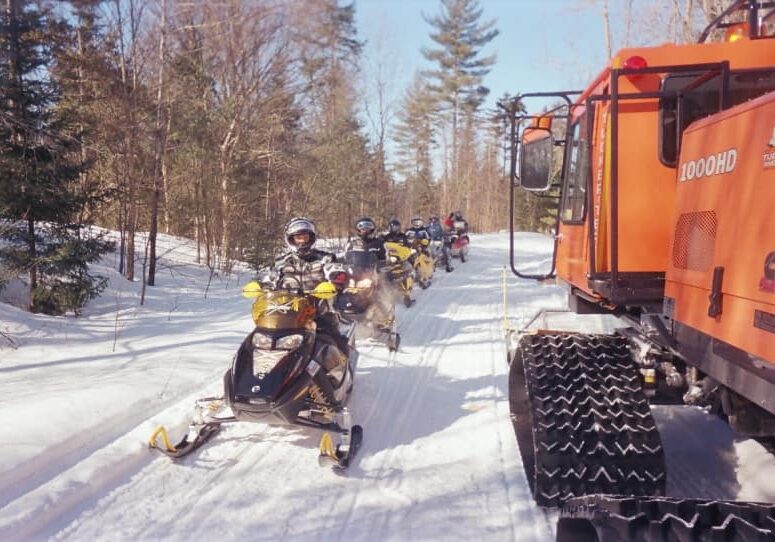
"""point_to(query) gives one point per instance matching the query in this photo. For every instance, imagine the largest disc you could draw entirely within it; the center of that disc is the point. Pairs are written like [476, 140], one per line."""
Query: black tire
[408, 302]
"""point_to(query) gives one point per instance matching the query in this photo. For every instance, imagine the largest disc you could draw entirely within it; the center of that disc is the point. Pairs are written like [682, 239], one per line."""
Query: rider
[367, 240]
[460, 223]
[434, 228]
[437, 233]
[304, 266]
[449, 222]
[394, 233]
[418, 231]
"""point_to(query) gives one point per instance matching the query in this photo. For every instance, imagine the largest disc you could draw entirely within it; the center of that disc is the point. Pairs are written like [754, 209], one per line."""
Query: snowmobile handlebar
[324, 290]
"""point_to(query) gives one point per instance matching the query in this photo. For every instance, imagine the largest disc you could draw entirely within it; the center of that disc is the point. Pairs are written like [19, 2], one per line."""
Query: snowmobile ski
[339, 457]
[394, 341]
[198, 435]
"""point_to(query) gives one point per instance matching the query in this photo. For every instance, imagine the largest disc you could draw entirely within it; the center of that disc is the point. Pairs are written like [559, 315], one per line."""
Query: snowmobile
[459, 241]
[423, 262]
[363, 300]
[440, 250]
[284, 373]
[399, 271]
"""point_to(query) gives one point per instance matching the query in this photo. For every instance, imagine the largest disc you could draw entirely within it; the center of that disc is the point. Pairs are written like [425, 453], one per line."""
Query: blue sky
[543, 44]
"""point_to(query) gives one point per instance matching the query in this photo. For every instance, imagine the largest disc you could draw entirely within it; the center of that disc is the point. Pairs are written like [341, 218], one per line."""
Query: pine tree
[340, 180]
[460, 68]
[415, 138]
[38, 170]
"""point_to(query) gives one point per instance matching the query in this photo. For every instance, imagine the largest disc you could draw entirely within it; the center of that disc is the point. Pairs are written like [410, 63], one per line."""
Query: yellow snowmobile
[423, 261]
[399, 271]
[283, 373]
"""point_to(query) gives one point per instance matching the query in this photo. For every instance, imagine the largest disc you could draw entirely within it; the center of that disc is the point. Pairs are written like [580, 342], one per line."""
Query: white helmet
[296, 226]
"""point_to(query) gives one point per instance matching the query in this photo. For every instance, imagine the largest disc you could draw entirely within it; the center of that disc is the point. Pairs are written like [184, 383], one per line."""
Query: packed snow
[79, 398]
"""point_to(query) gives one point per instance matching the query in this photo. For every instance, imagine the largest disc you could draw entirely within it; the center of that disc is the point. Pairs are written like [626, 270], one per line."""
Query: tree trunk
[158, 152]
[33, 255]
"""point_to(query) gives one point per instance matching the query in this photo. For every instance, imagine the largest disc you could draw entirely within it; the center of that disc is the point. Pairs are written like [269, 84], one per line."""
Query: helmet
[365, 227]
[394, 226]
[433, 218]
[299, 226]
[458, 215]
[417, 222]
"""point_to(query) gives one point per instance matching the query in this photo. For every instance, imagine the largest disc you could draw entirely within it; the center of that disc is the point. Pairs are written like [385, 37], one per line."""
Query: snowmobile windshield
[281, 309]
[360, 259]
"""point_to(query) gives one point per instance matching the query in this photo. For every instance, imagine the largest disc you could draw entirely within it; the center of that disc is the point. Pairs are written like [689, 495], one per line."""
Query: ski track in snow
[439, 460]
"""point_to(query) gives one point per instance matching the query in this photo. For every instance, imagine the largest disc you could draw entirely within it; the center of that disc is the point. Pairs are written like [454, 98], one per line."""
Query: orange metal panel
[726, 177]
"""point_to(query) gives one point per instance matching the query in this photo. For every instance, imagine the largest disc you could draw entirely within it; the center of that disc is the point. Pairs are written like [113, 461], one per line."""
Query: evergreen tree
[414, 137]
[340, 178]
[38, 173]
[460, 68]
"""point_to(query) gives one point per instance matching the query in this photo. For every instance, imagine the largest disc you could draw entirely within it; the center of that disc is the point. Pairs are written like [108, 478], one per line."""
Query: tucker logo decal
[708, 166]
[768, 158]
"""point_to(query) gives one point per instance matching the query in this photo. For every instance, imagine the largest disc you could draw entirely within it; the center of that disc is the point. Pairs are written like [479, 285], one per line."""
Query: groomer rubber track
[653, 519]
[582, 422]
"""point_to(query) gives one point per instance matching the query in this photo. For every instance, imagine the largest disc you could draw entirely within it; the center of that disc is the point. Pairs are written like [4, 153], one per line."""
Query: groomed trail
[439, 459]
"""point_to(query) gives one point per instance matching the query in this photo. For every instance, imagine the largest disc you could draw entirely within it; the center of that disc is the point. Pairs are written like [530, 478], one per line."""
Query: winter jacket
[375, 244]
[419, 233]
[435, 231]
[303, 269]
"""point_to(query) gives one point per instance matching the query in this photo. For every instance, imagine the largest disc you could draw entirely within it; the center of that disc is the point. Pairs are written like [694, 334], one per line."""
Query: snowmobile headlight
[363, 283]
[262, 341]
[290, 342]
[393, 259]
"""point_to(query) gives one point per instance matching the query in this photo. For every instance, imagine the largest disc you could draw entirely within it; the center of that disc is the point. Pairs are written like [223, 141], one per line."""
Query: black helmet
[417, 222]
[458, 215]
[296, 226]
[433, 218]
[394, 226]
[365, 227]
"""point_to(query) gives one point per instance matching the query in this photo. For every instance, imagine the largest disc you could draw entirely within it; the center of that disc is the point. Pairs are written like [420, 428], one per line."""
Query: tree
[40, 164]
[340, 176]
[414, 136]
[460, 68]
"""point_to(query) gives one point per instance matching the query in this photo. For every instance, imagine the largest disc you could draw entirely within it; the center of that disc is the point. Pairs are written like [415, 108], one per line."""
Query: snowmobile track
[639, 519]
[582, 422]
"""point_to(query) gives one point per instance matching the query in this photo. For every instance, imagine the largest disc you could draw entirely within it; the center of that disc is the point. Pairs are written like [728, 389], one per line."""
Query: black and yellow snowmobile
[284, 373]
[365, 300]
[399, 271]
[423, 261]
